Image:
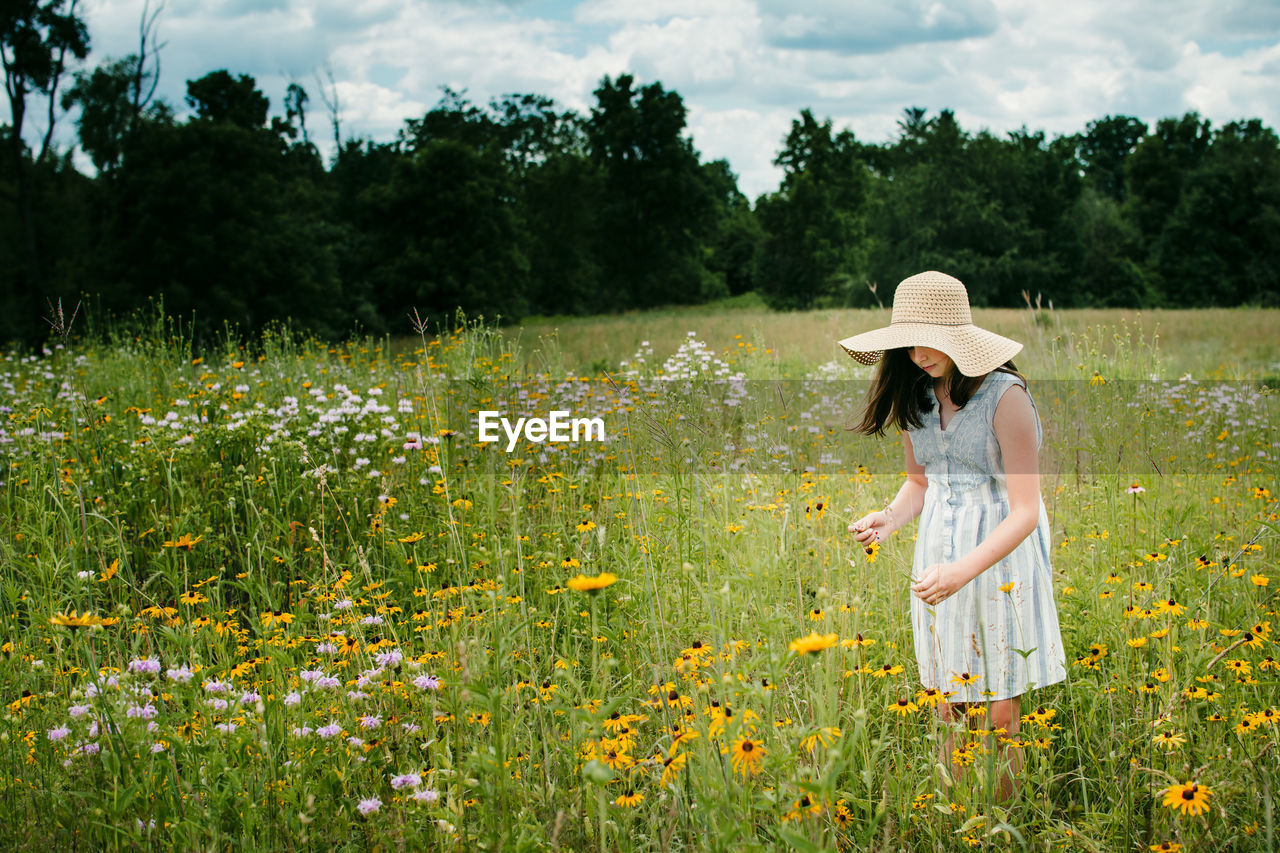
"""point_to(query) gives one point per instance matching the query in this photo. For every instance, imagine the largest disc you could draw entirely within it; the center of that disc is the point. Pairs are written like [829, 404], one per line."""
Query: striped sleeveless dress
[1003, 643]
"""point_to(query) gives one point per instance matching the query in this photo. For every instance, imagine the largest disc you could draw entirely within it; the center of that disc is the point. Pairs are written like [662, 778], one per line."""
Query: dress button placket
[948, 508]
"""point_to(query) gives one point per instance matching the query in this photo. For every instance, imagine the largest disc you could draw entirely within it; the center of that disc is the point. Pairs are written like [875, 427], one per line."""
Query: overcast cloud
[745, 68]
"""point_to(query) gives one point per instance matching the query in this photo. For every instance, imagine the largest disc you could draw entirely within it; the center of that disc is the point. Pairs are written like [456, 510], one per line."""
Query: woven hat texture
[932, 310]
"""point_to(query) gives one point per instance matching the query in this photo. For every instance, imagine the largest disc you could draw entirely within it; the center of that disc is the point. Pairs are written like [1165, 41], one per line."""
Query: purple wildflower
[406, 780]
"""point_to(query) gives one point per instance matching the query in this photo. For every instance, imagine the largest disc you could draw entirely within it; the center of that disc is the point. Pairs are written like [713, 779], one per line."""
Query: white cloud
[629, 11]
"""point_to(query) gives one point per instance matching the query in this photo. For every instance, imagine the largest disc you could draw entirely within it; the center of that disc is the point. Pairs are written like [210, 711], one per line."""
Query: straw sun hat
[932, 310]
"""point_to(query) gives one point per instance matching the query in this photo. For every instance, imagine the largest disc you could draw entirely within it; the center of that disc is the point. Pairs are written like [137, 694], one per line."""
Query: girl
[982, 612]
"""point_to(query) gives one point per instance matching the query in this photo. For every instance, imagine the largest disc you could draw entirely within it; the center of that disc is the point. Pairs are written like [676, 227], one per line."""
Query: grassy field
[283, 598]
[1217, 343]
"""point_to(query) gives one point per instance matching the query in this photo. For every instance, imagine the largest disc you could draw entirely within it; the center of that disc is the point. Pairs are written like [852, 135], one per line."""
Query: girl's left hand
[939, 582]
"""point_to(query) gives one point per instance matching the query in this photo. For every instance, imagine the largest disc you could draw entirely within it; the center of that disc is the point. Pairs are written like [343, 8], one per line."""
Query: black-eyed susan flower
[1188, 797]
[964, 678]
[1239, 666]
[672, 763]
[824, 736]
[82, 620]
[272, 617]
[746, 755]
[612, 754]
[1168, 741]
[903, 707]
[629, 799]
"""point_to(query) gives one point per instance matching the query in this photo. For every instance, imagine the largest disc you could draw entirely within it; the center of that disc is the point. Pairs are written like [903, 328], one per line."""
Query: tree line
[229, 213]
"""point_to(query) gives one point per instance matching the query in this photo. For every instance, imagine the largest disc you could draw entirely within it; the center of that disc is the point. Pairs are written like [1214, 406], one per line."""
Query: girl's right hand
[872, 527]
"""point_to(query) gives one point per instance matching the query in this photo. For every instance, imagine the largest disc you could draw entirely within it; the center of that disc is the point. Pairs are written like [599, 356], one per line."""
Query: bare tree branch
[333, 105]
[146, 34]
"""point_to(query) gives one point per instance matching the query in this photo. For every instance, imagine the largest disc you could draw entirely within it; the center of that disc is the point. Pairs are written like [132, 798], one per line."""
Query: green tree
[1157, 168]
[219, 97]
[813, 249]
[1221, 241]
[37, 39]
[1111, 273]
[734, 245]
[440, 235]
[223, 219]
[114, 99]
[655, 207]
[989, 210]
[1105, 148]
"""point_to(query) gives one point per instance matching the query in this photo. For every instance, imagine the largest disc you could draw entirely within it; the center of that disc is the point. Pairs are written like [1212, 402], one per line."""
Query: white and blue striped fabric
[1009, 640]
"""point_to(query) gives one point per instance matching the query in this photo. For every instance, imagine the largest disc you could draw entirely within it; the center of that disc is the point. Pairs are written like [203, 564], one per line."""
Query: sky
[745, 68]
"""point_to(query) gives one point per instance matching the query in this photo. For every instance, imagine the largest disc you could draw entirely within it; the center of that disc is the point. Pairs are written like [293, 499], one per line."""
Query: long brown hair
[899, 394]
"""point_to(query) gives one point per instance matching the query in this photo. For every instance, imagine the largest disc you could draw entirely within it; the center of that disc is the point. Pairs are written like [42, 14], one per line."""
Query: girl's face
[933, 362]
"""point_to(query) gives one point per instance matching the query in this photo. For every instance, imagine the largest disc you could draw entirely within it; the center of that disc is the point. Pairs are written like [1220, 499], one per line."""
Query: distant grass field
[1214, 343]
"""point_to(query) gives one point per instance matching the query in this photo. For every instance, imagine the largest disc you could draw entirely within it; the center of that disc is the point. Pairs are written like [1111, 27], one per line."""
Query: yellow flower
[269, 617]
[411, 538]
[629, 800]
[1188, 797]
[582, 583]
[1260, 580]
[192, 598]
[746, 756]
[1239, 667]
[1168, 740]
[83, 620]
[1006, 587]
[964, 678]
[583, 527]
[903, 707]
[184, 541]
[813, 643]
[110, 571]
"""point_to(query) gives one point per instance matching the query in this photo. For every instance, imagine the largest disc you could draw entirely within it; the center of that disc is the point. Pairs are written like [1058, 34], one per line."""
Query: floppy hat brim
[975, 351]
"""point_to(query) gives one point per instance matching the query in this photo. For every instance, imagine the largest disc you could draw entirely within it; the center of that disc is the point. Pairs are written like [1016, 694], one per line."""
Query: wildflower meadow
[280, 595]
